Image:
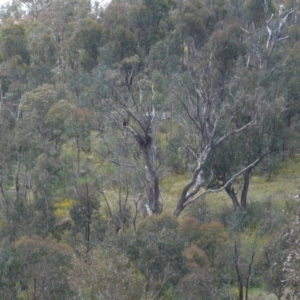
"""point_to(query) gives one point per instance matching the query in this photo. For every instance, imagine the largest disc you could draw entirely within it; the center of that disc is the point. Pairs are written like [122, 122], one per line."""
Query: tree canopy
[117, 122]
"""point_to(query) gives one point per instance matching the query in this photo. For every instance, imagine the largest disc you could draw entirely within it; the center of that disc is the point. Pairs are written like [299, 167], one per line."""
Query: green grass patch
[283, 186]
[259, 294]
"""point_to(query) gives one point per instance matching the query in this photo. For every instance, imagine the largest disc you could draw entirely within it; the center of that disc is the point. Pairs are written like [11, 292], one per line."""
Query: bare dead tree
[275, 34]
[137, 118]
[119, 204]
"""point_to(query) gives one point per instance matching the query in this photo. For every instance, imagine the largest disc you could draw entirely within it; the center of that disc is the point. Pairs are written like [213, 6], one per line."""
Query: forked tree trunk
[231, 193]
[193, 186]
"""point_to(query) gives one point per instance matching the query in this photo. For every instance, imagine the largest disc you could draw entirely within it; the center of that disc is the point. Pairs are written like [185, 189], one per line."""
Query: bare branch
[269, 31]
[122, 164]
[283, 38]
[219, 140]
[250, 166]
[210, 191]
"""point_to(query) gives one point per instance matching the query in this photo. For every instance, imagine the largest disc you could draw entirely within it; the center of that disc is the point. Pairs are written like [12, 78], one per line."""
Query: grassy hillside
[283, 186]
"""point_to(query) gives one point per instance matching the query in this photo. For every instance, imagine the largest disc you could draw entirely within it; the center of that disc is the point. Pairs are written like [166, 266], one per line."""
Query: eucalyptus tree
[157, 250]
[257, 143]
[82, 49]
[199, 19]
[34, 7]
[33, 148]
[272, 263]
[71, 127]
[14, 63]
[43, 266]
[60, 17]
[43, 52]
[211, 113]
[148, 19]
[289, 241]
[292, 92]
[122, 38]
[235, 89]
[7, 159]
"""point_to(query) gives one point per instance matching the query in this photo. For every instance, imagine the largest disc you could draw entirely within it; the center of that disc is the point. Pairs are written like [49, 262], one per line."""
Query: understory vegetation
[149, 149]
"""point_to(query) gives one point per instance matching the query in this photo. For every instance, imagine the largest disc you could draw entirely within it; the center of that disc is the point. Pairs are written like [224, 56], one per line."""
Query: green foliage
[85, 205]
[11, 269]
[105, 275]
[199, 284]
[234, 220]
[44, 264]
[34, 267]
[43, 53]
[212, 238]
[257, 11]
[226, 45]
[14, 42]
[196, 257]
[79, 85]
[271, 263]
[38, 101]
[32, 126]
[156, 249]
[146, 18]
[198, 19]
[156, 224]
[86, 41]
[209, 237]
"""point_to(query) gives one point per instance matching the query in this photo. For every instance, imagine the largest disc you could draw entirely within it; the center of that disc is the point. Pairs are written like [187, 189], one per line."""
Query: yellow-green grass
[258, 294]
[283, 185]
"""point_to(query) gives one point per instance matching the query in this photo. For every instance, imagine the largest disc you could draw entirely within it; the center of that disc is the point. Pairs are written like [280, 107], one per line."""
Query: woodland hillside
[150, 150]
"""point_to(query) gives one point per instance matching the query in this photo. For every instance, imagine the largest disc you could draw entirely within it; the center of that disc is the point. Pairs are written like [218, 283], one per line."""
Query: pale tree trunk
[138, 120]
[192, 187]
[146, 143]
